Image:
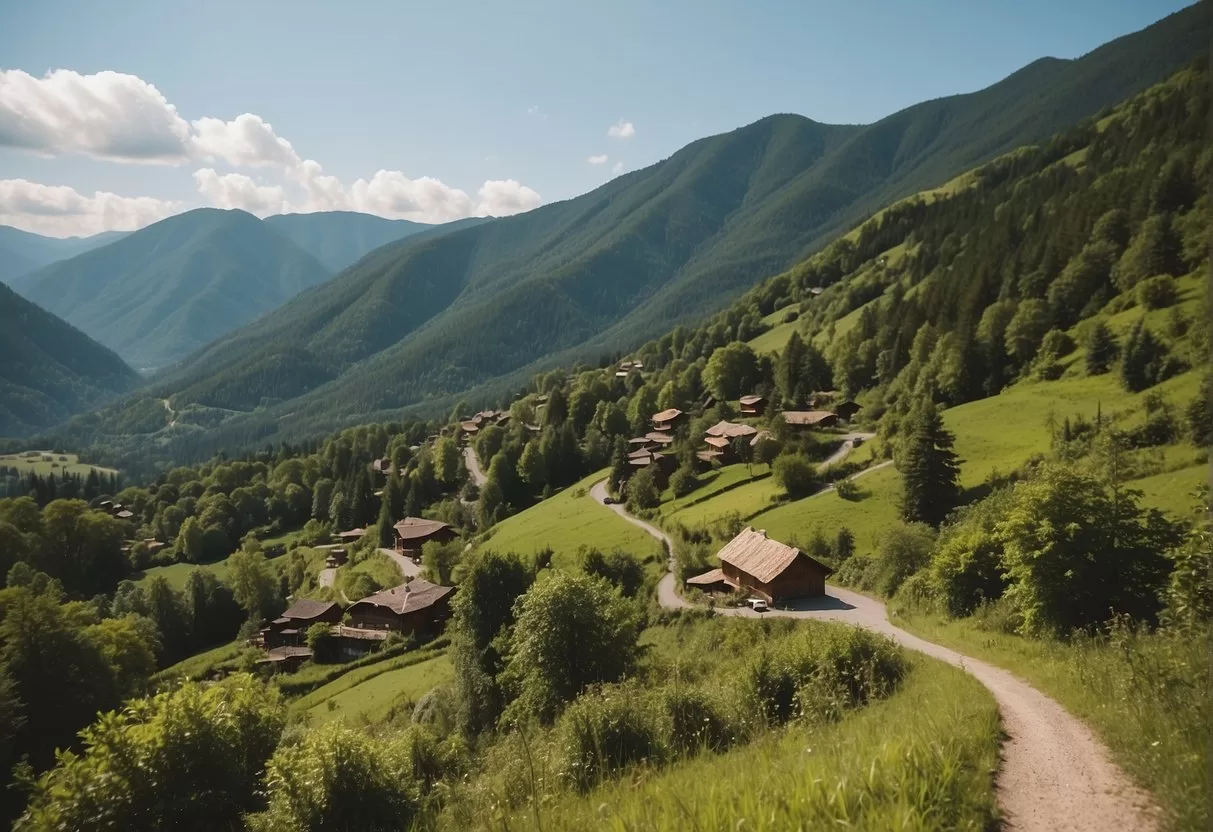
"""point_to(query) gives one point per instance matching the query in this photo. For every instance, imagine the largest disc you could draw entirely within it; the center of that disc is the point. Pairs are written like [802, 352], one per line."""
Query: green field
[774, 339]
[711, 483]
[745, 500]
[46, 462]
[567, 521]
[372, 700]
[177, 573]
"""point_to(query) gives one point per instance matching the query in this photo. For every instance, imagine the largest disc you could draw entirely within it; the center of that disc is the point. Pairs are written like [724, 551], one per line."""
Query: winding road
[473, 465]
[1055, 774]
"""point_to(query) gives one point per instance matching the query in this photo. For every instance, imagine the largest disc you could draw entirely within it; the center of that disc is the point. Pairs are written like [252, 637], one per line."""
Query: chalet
[810, 418]
[416, 607]
[730, 430]
[351, 535]
[336, 557]
[667, 420]
[290, 628]
[662, 464]
[659, 439]
[767, 568]
[414, 532]
[469, 428]
[753, 406]
[846, 410]
[641, 443]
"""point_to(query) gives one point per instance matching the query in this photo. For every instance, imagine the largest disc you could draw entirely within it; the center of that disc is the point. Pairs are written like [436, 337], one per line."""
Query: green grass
[746, 500]
[203, 664]
[712, 483]
[1147, 696]
[379, 566]
[178, 573]
[922, 759]
[867, 517]
[43, 463]
[567, 521]
[774, 339]
[373, 699]
[1171, 491]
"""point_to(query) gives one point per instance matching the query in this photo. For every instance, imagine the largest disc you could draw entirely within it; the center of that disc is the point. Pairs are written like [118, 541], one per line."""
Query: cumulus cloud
[109, 115]
[245, 141]
[235, 190]
[600, 159]
[621, 130]
[61, 211]
[503, 197]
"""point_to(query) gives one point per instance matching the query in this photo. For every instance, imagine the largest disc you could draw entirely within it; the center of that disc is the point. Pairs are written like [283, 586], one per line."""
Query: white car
[757, 604]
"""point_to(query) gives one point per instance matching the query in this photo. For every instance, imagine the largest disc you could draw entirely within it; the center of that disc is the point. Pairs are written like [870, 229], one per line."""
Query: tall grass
[1147, 695]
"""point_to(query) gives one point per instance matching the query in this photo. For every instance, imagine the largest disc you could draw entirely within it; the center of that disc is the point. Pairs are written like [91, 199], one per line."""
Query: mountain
[22, 252]
[166, 290]
[341, 238]
[420, 322]
[50, 370]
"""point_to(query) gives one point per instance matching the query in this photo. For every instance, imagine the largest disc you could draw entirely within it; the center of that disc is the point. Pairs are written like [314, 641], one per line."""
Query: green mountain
[21, 252]
[341, 238]
[49, 370]
[420, 323]
[164, 291]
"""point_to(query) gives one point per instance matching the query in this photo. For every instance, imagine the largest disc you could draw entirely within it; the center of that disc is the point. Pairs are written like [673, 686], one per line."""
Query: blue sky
[520, 94]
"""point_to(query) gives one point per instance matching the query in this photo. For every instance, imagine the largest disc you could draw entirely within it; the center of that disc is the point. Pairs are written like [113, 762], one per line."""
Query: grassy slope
[567, 521]
[177, 573]
[920, 760]
[374, 697]
[36, 464]
[866, 517]
[1141, 702]
[711, 484]
[746, 500]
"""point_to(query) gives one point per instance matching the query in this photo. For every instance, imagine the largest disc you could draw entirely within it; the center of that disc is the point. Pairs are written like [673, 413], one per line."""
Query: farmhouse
[768, 568]
[847, 410]
[667, 420]
[753, 405]
[810, 418]
[730, 430]
[414, 532]
[290, 628]
[416, 607]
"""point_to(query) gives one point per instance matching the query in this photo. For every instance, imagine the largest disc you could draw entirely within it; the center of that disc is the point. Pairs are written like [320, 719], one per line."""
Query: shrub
[684, 481]
[795, 474]
[847, 489]
[696, 722]
[1158, 292]
[606, 730]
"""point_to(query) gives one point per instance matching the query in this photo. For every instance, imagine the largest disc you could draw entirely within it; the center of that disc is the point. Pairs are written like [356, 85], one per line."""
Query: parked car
[757, 604]
[608, 500]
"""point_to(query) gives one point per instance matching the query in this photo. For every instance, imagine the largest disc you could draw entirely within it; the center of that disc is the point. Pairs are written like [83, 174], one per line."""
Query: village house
[414, 532]
[416, 607]
[846, 410]
[662, 464]
[766, 568]
[753, 406]
[336, 557]
[810, 418]
[350, 535]
[730, 430]
[667, 420]
[290, 628]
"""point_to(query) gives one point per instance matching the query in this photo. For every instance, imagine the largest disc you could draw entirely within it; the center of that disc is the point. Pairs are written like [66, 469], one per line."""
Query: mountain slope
[49, 370]
[164, 291]
[341, 238]
[22, 251]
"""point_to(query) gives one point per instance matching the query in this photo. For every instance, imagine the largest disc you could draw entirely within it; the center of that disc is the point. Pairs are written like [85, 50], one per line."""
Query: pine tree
[1144, 357]
[929, 468]
[1101, 349]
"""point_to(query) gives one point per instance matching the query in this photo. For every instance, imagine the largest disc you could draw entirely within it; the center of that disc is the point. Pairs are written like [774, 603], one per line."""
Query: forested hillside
[49, 370]
[421, 322]
[164, 291]
[21, 252]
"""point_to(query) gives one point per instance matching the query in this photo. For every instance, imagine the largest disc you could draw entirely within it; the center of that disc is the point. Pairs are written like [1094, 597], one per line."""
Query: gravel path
[1055, 774]
[408, 567]
[473, 465]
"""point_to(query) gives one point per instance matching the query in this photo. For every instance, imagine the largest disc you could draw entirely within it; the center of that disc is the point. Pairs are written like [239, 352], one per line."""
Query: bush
[696, 722]
[684, 481]
[642, 490]
[606, 730]
[1158, 292]
[796, 475]
[847, 489]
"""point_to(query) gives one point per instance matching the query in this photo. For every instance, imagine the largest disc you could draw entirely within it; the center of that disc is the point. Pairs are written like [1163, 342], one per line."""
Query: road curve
[1055, 774]
[473, 465]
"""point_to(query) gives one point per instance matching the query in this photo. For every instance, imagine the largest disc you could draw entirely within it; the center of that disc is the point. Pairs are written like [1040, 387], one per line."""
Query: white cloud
[235, 190]
[246, 141]
[109, 115]
[621, 130]
[617, 169]
[60, 211]
[600, 159]
[503, 197]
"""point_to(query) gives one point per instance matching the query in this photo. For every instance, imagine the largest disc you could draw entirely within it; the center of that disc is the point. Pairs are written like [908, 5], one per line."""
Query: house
[719, 448]
[810, 418]
[416, 607]
[662, 464]
[667, 420]
[414, 532]
[753, 405]
[351, 535]
[767, 568]
[661, 440]
[730, 430]
[846, 410]
[336, 557]
[290, 628]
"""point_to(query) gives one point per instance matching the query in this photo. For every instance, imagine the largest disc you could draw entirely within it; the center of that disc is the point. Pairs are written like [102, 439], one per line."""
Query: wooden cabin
[766, 568]
[753, 406]
[846, 410]
[290, 628]
[414, 532]
[416, 607]
[730, 430]
[667, 420]
[810, 418]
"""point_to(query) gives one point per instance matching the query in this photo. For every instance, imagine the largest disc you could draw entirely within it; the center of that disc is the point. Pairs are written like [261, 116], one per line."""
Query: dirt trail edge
[1055, 774]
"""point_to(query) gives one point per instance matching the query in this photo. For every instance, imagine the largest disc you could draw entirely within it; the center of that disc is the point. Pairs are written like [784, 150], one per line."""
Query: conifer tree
[1101, 349]
[929, 468]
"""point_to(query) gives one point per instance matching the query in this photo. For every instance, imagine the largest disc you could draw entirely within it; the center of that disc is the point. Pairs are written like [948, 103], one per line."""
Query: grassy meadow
[373, 697]
[43, 463]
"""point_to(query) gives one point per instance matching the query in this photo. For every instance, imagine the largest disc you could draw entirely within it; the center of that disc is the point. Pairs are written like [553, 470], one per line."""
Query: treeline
[68, 486]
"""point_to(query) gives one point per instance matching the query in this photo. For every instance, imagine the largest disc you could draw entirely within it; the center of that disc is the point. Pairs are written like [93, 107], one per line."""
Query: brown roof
[731, 429]
[708, 456]
[470, 427]
[307, 608]
[416, 528]
[659, 438]
[760, 436]
[752, 399]
[715, 576]
[281, 654]
[756, 554]
[667, 415]
[717, 441]
[352, 534]
[807, 417]
[639, 440]
[417, 594]
[124, 514]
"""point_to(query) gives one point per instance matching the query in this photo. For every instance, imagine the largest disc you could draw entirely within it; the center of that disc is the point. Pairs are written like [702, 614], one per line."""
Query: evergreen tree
[1101, 349]
[1145, 360]
[929, 468]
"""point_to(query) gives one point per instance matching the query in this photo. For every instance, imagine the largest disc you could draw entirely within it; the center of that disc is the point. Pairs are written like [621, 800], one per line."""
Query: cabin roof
[756, 554]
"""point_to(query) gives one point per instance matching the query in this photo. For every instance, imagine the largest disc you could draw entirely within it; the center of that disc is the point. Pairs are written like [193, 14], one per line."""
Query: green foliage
[1102, 348]
[1146, 360]
[605, 731]
[795, 474]
[254, 585]
[1189, 594]
[440, 559]
[684, 481]
[642, 489]
[930, 470]
[966, 566]
[206, 744]
[732, 371]
[571, 631]
[1157, 292]
[620, 569]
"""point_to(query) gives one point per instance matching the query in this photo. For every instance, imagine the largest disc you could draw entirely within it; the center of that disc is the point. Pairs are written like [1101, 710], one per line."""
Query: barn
[768, 568]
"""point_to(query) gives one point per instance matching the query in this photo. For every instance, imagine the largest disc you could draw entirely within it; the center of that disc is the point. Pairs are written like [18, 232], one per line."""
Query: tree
[620, 469]
[1146, 361]
[211, 611]
[572, 631]
[254, 585]
[342, 778]
[684, 481]
[844, 544]
[618, 568]
[189, 759]
[642, 489]
[900, 552]
[439, 560]
[1101, 348]
[1189, 594]
[767, 449]
[322, 497]
[448, 462]
[128, 644]
[531, 466]
[166, 609]
[1026, 329]
[1155, 250]
[796, 475]
[1200, 413]
[731, 371]
[930, 470]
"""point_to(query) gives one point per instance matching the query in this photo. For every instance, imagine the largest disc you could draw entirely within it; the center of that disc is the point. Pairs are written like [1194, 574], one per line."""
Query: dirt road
[1055, 774]
[473, 465]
